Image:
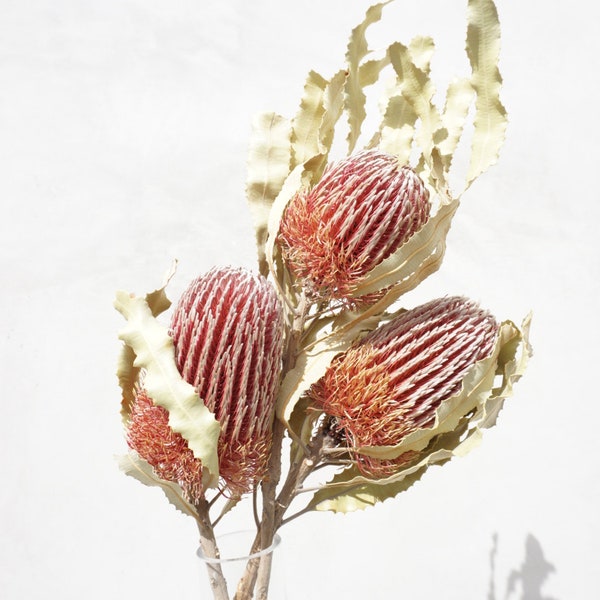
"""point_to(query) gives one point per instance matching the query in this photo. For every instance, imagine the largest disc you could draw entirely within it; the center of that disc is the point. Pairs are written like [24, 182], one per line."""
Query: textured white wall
[123, 132]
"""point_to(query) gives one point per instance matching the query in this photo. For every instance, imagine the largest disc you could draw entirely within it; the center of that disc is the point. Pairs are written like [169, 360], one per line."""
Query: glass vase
[238, 575]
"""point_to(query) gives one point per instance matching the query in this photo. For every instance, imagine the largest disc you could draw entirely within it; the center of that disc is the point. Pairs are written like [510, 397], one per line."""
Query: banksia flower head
[392, 382]
[228, 334]
[361, 211]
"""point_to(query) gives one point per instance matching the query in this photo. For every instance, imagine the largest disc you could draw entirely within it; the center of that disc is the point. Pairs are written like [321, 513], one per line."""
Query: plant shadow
[529, 578]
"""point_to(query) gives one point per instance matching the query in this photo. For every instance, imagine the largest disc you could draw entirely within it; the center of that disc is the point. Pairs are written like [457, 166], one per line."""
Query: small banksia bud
[361, 211]
[228, 334]
[391, 383]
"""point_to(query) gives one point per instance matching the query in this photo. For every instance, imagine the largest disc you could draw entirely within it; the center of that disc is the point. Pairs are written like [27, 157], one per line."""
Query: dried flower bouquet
[313, 350]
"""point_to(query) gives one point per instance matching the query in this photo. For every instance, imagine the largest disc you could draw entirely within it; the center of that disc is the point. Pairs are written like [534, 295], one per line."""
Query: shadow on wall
[529, 578]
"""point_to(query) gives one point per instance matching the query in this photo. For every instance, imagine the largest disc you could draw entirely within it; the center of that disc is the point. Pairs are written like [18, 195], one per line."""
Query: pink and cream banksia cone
[360, 212]
[392, 382]
[227, 330]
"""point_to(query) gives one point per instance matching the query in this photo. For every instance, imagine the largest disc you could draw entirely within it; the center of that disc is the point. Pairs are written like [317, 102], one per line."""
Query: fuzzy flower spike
[361, 211]
[393, 381]
[228, 334]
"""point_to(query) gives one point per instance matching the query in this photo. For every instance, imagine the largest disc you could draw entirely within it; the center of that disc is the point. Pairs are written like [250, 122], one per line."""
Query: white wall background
[123, 132]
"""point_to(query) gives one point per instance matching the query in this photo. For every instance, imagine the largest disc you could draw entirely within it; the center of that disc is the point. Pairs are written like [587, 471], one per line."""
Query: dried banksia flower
[392, 382]
[228, 334]
[361, 211]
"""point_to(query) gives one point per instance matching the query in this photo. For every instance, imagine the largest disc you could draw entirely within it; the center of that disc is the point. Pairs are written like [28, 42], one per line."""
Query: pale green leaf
[269, 161]
[155, 353]
[483, 49]
[135, 466]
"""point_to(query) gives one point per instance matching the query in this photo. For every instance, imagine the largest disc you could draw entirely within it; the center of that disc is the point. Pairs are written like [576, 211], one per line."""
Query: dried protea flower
[228, 334]
[361, 211]
[392, 382]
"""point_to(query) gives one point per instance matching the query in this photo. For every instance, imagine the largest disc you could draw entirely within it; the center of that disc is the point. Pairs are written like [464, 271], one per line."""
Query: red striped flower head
[392, 382]
[361, 211]
[228, 334]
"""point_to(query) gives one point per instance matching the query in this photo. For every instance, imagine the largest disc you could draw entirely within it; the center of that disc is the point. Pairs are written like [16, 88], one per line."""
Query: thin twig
[255, 507]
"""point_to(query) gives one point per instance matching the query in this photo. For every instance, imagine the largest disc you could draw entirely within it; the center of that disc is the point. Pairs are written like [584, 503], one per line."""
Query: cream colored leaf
[127, 373]
[421, 49]
[306, 141]
[155, 353]
[313, 360]
[135, 466]
[334, 106]
[356, 52]
[458, 100]
[350, 491]
[128, 376]
[483, 49]
[310, 366]
[418, 90]
[321, 109]
[269, 160]
[398, 129]
[370, 71]
[296, 180]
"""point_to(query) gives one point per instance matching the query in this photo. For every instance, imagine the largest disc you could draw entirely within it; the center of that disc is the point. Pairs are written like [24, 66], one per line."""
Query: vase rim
[245, 557]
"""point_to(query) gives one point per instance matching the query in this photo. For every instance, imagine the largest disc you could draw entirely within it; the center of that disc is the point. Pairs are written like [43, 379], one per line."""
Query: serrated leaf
[459, 97]
[421, 49]
[350, 491]
[269, 160]
[155, 353]
[357, 50]
[135, 466]
[314, 126]
[397, 129]
[128, 374]
[333, 102]
[418, 90]
[297, 179]
[310, 366]
[483, 50]
[306, 125]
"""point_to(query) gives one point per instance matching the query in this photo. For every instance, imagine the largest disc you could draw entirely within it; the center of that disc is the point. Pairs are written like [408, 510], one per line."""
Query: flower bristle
[361, 211]
[149, 434]
[392, 382]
